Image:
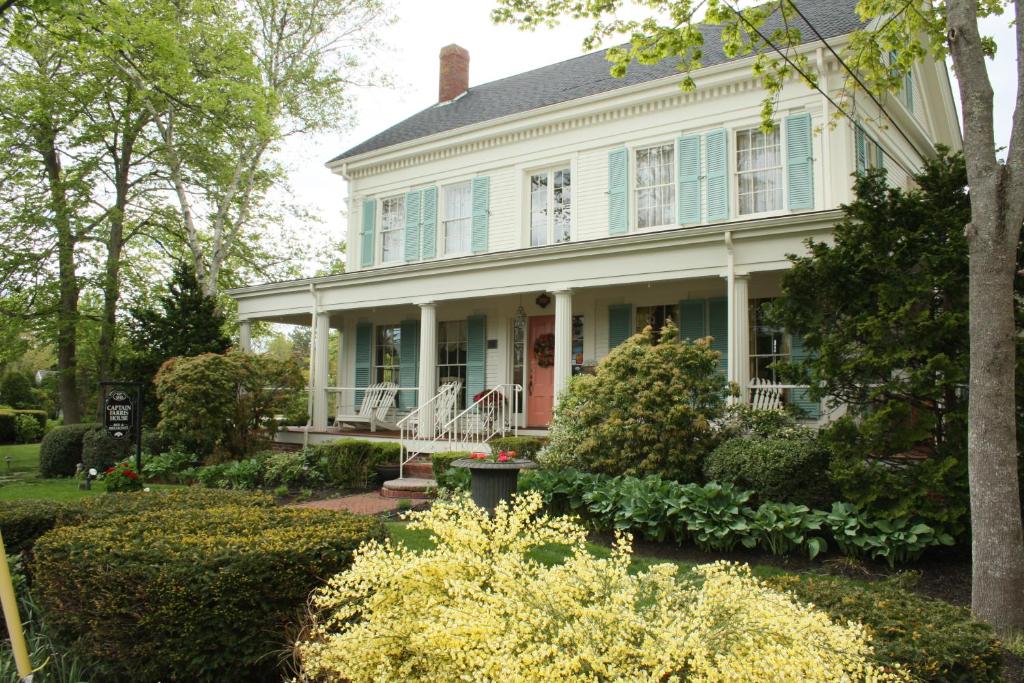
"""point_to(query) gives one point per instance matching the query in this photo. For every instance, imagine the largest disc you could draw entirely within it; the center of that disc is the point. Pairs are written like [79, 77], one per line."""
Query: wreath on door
[544, 350]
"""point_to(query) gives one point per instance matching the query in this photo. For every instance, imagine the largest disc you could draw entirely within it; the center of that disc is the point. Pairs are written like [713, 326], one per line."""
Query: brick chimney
[454, 78]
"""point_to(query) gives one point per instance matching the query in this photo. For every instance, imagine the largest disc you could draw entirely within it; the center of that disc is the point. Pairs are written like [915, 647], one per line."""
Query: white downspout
[312, 355]
[730, 279]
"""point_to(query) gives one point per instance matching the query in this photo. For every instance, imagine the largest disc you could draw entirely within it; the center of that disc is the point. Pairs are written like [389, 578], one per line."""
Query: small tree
[16, 390]
[648, 409]
[223, 405]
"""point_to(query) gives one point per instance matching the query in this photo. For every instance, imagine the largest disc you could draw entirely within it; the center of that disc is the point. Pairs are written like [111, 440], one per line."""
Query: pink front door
[541, 378]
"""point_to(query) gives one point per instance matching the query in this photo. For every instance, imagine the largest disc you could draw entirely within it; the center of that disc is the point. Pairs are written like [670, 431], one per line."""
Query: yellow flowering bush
[477, 607]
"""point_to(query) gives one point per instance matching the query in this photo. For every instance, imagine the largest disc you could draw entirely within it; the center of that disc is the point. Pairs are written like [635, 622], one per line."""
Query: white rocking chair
[377, 409]
[765, 395]
[447, 403]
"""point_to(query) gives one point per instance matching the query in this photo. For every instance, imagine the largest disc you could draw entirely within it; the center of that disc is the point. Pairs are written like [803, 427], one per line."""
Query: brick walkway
[361, 503]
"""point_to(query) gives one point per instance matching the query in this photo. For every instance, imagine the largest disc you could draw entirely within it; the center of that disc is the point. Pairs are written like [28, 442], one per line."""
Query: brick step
[419, 469]
[409, 487]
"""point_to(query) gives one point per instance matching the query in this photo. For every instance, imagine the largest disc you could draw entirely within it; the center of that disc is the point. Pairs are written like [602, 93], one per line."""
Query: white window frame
[443, 220]
[550, 171]
[736, 173]
[634, 188]
[380, 369]
[400, 256]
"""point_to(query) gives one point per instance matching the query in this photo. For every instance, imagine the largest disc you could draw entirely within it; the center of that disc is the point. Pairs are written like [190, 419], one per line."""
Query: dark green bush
[348, 463]
[155, 442]
[440, 462]
[932, 639]
[9, 430]
[387, 451]
[293, 470]
[789, 466]
[61, 450]
[173, 595]
[524, 446]
[23, 521]
[100, 450]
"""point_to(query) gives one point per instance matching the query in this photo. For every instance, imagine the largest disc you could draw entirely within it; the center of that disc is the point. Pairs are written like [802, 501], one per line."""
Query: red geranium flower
[131, 475]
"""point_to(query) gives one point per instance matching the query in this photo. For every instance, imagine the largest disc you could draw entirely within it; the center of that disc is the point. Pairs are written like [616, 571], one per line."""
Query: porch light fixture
[543, 300]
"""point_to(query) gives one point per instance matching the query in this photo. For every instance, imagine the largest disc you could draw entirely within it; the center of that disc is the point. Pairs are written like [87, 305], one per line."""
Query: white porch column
[427, 385]
[563, 340]
[739, 358]
[245, 336]
[321, 361]
[339, 373]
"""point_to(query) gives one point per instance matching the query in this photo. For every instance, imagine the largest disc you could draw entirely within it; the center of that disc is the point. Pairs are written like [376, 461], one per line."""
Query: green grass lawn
[20, 478]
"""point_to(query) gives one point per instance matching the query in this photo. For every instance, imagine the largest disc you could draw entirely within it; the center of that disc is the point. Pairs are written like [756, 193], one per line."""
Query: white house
[513, 232]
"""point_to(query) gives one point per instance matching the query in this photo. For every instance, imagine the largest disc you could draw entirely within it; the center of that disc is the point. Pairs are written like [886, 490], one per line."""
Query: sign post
[122, 415]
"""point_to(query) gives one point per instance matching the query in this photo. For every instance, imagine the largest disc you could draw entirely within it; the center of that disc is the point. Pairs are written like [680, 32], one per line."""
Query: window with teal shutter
[717, 145]
[908, 90]
[800, 397]
[799, 161]
[428, 239]
[412, 225]
[476, 356]
[860, 144]
[364, 358]
[366, 234]
[620, 324]
[693, 319]
[689, 179]
[481, 213]
[409, 359]
[618, 192]
[718, 327]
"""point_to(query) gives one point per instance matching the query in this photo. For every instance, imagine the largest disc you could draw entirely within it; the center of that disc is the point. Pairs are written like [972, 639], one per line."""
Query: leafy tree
[183, 322]
[16, 390]
[648, 409]
[771, 32]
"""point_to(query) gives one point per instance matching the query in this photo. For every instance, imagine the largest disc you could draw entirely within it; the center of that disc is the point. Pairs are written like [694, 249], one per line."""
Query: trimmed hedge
[114, 506]
[524, 446]
[24, 521]
[348, 463]
[788, 466]
[175, 595]
[932, 639]
[9, 432]
[441, 462]
[100, 450]
[61, 450]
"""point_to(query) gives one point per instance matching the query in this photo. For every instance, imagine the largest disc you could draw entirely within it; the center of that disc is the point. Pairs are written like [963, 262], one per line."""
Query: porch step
[409, 487]
[418, 469]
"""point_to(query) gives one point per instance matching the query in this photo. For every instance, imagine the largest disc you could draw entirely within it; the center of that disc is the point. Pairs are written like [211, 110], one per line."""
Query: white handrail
[412, 423]
[493, 414]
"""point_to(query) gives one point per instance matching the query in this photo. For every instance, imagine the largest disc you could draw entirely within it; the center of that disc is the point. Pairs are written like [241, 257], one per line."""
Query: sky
[422, 29]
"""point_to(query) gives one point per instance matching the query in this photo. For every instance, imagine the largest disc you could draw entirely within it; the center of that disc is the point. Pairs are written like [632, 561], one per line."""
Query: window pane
[759, 171]
[392, 228]
[655, 188]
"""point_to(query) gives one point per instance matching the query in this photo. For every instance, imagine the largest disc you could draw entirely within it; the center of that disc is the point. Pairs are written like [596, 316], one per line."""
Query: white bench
[376, 410]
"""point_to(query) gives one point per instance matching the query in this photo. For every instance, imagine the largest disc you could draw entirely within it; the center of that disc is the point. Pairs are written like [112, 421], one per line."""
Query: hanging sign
[118, 414]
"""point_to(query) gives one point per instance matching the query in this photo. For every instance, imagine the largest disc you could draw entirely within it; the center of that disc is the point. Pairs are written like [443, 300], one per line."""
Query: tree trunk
[67, 313]
[997, 544]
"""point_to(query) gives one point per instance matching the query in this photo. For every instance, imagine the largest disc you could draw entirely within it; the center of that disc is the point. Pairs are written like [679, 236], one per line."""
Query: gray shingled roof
[580, 77]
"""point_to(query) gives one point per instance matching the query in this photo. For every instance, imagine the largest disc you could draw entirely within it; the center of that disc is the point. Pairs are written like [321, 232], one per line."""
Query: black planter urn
[492, 482]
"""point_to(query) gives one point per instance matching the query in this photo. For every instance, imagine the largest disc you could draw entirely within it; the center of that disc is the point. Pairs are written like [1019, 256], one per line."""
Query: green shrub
[23, 521]
[348, 463]
[220, 404]
[782, 528]
[61, 450]
[524, 446]
[10, 432]
[101, 450]
[932, 639]
[168, 466]
[27, 429]
[649, 409]
[16, 390]
[155, 442]
[206, 597]
[386, 452]
[441, 462]
[789, 466]
[104, 509]
[293, 470]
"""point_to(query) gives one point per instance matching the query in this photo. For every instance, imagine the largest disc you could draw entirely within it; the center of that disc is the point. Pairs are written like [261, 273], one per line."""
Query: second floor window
[759, 170]
[392, 229]
[655, 188]
[550, 207]
[458, 218]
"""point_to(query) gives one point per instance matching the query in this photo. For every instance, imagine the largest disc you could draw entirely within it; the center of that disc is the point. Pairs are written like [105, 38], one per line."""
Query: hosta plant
[717, 517]
[477, 607]
[782, 528]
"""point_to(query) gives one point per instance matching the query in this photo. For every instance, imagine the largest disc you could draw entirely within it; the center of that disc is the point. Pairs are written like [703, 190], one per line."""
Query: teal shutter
[364, 356]
[476, 356]
[409, 363]
[693, 319]
[412, 225]
[717, 145]
[879, 157]
[428, 237]
[618, 191]
[718, 327]
[801, 398]
[908, 90]
[799, 161]
[620, 324]
[366, 234]
[860, 144]
[481, 212]
[688, 179]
